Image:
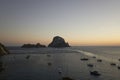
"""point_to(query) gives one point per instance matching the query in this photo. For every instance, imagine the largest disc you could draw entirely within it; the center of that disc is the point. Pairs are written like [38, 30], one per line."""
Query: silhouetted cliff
[58, 42]
[3, 50]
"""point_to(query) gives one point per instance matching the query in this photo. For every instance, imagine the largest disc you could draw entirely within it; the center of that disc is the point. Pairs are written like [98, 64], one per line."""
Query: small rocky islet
[57, 42]
[38, 45]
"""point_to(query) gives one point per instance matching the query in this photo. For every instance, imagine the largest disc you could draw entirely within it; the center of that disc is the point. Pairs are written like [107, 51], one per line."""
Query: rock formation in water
[38, 45]
[3, 50]
[58, 42]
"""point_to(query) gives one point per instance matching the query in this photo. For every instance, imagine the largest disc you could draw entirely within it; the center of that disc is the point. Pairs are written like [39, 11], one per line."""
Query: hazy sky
[80, 22]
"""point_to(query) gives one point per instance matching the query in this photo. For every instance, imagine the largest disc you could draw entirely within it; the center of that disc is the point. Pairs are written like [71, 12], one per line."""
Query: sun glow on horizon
[72, 42]
[80, 22]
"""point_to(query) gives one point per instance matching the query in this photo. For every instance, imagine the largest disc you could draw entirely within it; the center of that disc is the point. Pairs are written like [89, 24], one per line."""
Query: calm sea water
[46, 63]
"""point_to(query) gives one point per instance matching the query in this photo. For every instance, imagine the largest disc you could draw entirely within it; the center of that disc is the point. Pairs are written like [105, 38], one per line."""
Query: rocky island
[58, 42]
[38, 45]
[3, 50]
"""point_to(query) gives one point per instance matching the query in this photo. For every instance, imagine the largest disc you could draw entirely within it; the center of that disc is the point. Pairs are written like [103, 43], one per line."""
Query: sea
[56, 63]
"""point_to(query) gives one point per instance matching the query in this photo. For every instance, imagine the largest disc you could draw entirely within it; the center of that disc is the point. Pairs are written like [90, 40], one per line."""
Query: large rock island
[38, 45]
[3, 50]
[58, 42]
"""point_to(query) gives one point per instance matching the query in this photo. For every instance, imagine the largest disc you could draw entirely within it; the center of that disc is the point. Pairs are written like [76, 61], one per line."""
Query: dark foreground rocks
[58, 42]
[3, 50]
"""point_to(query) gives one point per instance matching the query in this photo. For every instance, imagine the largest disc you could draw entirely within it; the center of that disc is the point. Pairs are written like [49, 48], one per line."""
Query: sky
[79, 22]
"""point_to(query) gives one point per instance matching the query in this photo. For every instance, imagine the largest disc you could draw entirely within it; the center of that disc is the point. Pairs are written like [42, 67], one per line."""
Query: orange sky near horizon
[79, 22]
[71, 41]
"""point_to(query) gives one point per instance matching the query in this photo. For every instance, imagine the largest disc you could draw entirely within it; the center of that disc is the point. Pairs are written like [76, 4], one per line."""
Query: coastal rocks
[58, 42]
[38, 45]
[3, 50]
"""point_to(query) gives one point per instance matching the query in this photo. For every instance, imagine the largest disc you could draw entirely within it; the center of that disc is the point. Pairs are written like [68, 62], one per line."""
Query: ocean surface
[55, 63]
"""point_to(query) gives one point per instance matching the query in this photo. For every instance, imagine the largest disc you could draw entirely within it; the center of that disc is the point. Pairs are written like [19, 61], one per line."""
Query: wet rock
[58, 42]
[3, 50]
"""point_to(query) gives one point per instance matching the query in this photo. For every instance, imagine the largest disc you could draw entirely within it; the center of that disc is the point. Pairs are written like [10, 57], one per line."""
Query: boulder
[3, 50]
[38, 45]
[58, 42]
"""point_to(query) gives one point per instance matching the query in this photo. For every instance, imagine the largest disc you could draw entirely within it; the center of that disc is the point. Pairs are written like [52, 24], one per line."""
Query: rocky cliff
[58, 42]
[3, 50]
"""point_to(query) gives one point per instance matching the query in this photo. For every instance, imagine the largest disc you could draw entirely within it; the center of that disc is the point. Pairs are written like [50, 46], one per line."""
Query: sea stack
[3, 50]
[58, 42]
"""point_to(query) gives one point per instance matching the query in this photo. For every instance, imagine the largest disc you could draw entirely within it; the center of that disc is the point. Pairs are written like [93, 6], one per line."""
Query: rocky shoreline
[3, 50]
